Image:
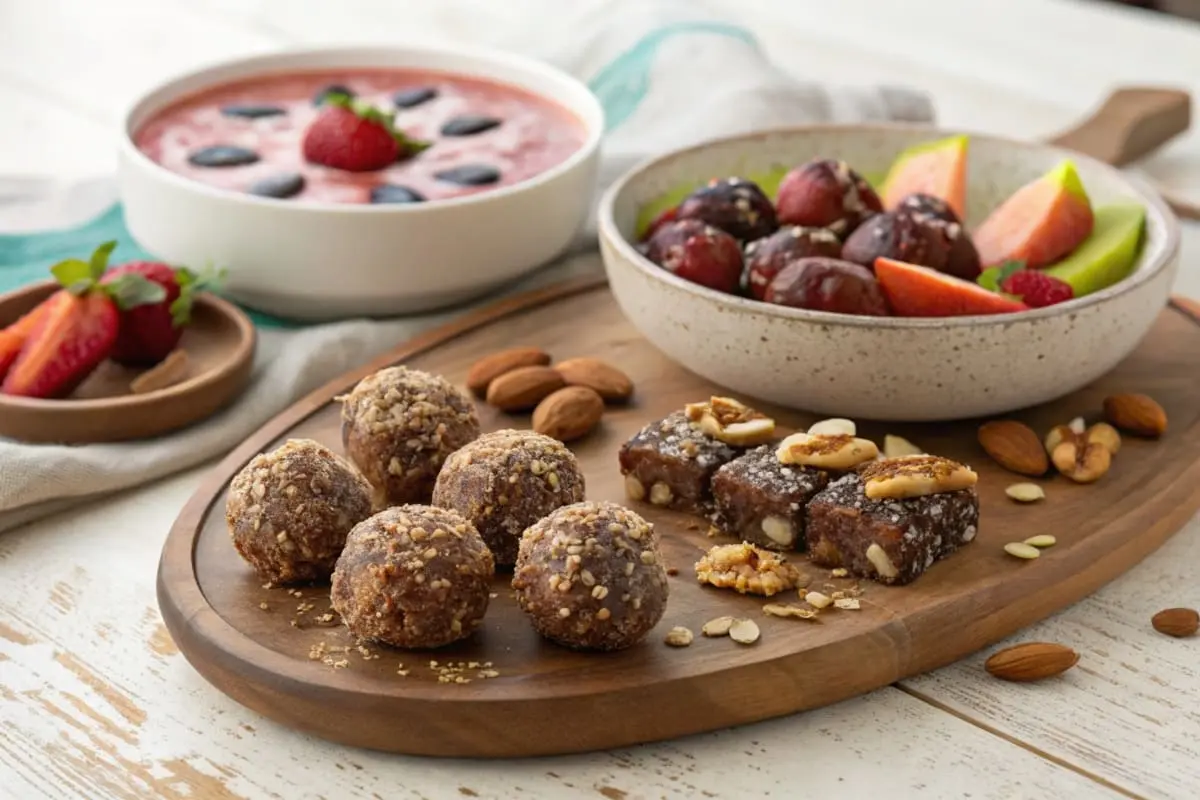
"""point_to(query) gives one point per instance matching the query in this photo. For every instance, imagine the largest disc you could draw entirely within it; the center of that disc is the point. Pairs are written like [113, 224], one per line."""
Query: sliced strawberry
[150, 331]
[915, 291]
[75, 329]
[13, 337]
[352, 135]
[71, 340]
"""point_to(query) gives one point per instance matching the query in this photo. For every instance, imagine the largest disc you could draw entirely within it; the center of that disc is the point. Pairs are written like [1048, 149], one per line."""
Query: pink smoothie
[533, 136]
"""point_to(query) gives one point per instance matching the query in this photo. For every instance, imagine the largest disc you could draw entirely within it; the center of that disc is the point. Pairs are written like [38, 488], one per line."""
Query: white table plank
[1130, 710]
[95, 695]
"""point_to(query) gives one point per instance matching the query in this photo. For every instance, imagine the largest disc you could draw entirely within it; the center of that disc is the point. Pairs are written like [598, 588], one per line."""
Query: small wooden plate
[220, 347]
[270, 649]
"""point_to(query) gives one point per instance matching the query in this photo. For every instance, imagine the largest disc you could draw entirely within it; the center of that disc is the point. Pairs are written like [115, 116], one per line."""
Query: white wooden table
[95, 701]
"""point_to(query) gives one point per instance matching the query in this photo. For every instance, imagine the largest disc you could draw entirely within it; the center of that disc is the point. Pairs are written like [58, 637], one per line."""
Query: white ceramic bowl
[885, 368]
[323, 260]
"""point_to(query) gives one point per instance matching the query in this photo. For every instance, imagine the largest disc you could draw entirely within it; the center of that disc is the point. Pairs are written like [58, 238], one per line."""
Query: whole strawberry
[151, 330]
[352, 135]
[1036, 289]
[74, 330]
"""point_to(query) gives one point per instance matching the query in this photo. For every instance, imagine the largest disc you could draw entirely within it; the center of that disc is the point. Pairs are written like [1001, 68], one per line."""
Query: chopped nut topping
[679, 636]
[847, 603]
[834, 451]
[915, 476]
[746, 569]
[783, 610]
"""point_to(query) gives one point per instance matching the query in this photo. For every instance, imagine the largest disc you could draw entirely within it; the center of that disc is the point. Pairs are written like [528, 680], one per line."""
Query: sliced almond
[834, 426]
[1042, 540]
[896, 446]
[731, 421]
[744, 631]
[1025, 492]
[1022, 550]
[847, 603]
[835, 451]
[717, 627]
[168, 372]
[915, 476]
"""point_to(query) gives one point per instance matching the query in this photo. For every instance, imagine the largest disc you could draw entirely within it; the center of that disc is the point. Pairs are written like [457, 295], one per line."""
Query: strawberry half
[149, 331]
[74, 330]
[352, 135]
[12, 338]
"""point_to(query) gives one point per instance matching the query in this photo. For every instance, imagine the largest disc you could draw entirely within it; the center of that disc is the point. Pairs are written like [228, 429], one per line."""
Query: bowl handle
[1133, 122]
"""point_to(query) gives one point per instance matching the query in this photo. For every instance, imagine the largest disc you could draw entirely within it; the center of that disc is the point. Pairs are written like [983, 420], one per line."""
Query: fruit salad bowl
[439, 174]
[901, 368]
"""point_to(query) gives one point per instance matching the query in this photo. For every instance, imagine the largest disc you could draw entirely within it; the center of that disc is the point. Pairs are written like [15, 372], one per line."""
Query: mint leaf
[993, 277]
[99, 261]
[132, 290]
[75, 275]
[190, 284]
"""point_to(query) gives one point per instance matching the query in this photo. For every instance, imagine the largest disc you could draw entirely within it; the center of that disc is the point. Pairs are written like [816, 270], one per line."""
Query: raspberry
[1037, 289]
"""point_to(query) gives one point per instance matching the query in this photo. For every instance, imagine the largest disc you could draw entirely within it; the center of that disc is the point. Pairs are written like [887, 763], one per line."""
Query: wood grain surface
[219, 342]
[214, 606]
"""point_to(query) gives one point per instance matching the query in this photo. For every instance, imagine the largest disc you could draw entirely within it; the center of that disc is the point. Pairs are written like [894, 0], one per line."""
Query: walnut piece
[826, 451]
[746, 569]
[915, 476]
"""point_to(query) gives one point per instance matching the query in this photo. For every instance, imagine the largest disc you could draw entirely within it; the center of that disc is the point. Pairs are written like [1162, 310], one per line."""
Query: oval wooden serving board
[264, 647]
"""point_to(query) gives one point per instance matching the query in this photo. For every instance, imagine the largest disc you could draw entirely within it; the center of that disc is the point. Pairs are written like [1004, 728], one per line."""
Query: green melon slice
[1108, 254]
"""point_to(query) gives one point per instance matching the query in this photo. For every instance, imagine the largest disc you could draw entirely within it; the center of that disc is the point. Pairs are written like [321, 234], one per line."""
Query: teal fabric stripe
[624, 82]
[621, 86]
[26, 258]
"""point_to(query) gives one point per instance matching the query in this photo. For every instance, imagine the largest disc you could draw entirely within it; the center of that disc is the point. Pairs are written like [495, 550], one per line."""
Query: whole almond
[1136, 413]
[488, 368]
[1014, 446]
[1177, 622]
[568, 414]
[605, 379]
[1033, 661]
[523, 388]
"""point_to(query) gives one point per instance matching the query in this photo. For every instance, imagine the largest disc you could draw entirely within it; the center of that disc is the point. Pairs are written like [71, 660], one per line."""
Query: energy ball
[414, 577]
[289, 511]
[590, 577]
[503, 482]
[399, 425]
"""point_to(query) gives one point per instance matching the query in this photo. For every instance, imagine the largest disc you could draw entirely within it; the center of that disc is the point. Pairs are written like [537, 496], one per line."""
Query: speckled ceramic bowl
[885, 368]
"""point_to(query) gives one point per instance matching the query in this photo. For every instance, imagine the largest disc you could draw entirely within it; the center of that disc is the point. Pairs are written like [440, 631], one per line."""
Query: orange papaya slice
[1042, 222]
